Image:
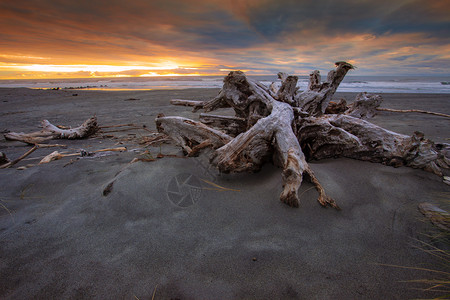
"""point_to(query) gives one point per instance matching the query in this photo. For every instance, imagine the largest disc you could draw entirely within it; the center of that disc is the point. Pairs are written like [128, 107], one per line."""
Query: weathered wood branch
[413, 111]
[318, 95]
[86, 129]
[55, 155]
[196, 104]
[12, 163]
[29, 138]
[50, 131]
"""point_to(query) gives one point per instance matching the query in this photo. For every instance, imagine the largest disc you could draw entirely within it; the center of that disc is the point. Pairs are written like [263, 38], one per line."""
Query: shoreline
[351, 83]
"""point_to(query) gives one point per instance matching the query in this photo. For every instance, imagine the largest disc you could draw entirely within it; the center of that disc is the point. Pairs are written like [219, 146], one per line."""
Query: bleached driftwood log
[288, 127]
[50, 131]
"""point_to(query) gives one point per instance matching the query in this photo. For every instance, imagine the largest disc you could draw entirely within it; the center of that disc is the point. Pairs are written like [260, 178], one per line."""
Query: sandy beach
[61, 238]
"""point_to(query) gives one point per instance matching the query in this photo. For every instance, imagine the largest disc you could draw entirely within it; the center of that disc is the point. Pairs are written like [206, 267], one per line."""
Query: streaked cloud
[139, 37]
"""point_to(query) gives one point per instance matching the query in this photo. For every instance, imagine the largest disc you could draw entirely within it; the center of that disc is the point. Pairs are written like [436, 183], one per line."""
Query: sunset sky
[80, 38]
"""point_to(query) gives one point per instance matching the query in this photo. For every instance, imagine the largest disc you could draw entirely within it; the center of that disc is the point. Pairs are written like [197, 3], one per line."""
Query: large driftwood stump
[287, 127]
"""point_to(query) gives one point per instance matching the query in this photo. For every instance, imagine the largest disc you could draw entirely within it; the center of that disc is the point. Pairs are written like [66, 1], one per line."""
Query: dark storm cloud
[199, 24]
[334, 17]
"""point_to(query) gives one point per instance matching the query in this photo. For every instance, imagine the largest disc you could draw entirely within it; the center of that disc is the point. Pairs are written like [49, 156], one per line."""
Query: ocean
[370, 84]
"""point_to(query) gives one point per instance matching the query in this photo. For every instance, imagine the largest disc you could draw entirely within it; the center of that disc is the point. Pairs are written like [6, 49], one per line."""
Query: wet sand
[164, 227]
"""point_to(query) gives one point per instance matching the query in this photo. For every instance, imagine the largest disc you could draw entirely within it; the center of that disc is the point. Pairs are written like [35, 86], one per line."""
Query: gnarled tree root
[271, 132]
[287, 127]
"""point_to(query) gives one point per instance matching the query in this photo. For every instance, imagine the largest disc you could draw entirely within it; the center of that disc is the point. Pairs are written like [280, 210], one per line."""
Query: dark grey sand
[60, 238]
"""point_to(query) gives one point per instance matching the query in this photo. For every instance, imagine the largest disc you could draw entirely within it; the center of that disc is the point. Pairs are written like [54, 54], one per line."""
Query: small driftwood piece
[196, 104]
[55, 155]
[289, 127]
[50, 131]
[150, 140]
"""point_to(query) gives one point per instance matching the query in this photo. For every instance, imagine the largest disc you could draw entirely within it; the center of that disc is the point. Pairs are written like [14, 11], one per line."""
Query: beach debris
[12, 163]
[51, 145]
[55, 155]
[436, 215]
[83, 153]
[413, 111]
[117, 149]
[155, 138]
[182, 102]
[289, 127]
[50, 131]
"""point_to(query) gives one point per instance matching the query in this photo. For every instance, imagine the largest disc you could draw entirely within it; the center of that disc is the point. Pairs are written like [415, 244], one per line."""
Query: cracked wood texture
[287, 127]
